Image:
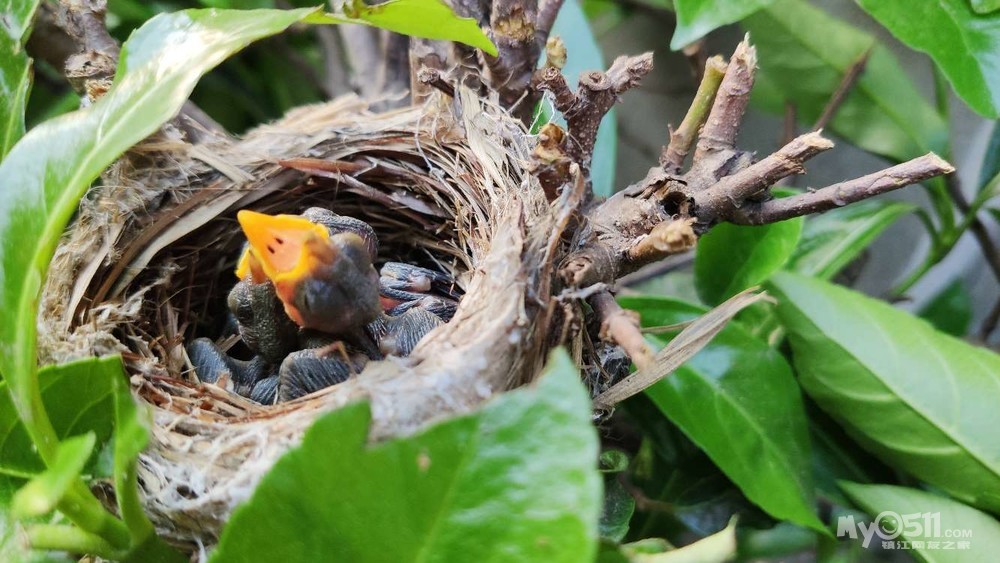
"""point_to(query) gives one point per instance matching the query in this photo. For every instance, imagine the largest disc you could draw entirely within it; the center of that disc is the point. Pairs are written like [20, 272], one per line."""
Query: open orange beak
[282, 245]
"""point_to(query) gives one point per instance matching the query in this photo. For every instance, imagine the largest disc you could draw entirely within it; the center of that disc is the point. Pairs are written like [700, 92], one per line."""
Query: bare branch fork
[667, 211]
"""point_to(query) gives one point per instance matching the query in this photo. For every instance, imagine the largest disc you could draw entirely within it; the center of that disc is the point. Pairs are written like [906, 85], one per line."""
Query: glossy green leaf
[964, 44]
[516, 480]
[78, 398]
[922, 401]
[695, 18]
[431, 19]
[584, 55]
[41, 495]
[951, 310]
[832, 240]
[716, 548]
[731, 258]
[48, 171]
[807, 52]
[619, 505]
[15, 69]
[940, 523]
[737, 399]
[985, 6]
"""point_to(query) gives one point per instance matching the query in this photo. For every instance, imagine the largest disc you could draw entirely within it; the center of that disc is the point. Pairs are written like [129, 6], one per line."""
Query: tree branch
[512, 23]
[724, 120]
[840, 94]
[621, 327]
[841, 194]
[728, 194]
[597, 93]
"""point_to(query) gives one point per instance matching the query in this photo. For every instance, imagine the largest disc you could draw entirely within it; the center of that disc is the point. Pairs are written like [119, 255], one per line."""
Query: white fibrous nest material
[149, 259]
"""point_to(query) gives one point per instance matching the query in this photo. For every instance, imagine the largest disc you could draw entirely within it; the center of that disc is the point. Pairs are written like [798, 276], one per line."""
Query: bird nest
[147, 263]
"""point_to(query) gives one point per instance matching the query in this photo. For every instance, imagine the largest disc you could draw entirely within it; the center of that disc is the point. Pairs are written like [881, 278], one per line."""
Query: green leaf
[807, 52]
[41, 495]
[731, 258]
[619, 505]
[985, 6]
[716, 548]
[585, 54]
[929, 518]
[951, 310]
[15, 69]
[922, 401]
[696, 18]
[964, 44]
[832, 240]
[78, 398]
[737, 399]
[50, 168]
[430, 19]
[516, 480]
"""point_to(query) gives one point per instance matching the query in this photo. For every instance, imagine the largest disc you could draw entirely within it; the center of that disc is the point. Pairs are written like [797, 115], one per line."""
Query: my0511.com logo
[921, 530]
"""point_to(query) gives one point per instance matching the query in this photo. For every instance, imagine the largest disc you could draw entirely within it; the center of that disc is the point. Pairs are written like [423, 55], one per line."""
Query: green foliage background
[825, 403]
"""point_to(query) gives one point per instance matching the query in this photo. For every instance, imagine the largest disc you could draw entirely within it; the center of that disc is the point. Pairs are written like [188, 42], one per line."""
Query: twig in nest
[683, 137]
[432, 77]
[697, 58]
[841, 194]
[840, 94]
[685, 345]
[620, 326]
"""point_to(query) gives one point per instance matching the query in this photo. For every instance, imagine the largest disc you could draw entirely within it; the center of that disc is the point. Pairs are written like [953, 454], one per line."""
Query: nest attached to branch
[148, 261]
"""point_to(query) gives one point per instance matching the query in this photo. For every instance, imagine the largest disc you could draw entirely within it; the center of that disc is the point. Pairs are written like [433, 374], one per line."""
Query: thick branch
[724, 120]
[730, 192]
[683, 137]
[620, 326]
[512, 23]
[843, 193]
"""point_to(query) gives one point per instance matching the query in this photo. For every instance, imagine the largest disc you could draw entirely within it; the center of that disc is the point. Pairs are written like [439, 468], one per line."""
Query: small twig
[979, 230]
[597, 93]
[990, 322]
[840, 94]
[841, 194]
[655, 270]
[547, 12]
[682, 348]
[620, 326]
[789, 130]
[683, 137]
[666, 238]
[731, 101]
[432, 77]
[730, 192]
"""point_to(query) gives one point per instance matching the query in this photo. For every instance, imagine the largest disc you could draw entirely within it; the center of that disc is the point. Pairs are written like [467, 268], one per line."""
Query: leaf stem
[70, 539]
